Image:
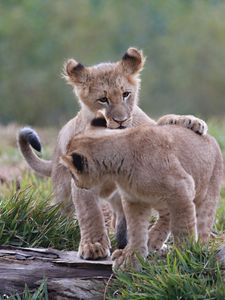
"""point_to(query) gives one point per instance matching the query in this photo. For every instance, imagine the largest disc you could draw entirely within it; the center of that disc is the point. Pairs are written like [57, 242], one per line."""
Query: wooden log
[68, 277]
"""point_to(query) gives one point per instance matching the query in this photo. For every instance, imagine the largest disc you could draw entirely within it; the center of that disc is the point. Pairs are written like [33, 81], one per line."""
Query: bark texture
[68, 277]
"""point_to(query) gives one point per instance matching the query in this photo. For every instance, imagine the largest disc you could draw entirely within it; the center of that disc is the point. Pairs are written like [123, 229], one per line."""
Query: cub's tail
[28, 137]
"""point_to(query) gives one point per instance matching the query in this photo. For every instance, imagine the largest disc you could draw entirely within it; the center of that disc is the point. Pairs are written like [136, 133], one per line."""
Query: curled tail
[28, 137]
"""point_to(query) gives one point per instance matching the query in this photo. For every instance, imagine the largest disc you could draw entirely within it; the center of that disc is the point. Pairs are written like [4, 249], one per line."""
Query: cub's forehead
[107, 74]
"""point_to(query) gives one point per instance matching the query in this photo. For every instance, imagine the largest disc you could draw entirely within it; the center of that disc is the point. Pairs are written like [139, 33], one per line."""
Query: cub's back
[158, 146]
[199, 155]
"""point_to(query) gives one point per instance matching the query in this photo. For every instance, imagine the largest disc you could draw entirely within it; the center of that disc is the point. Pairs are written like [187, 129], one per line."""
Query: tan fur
[91, 85]
[39, 165]
[167, 168]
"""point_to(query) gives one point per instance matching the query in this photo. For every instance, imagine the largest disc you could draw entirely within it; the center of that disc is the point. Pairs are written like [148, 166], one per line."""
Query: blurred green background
[184, 41]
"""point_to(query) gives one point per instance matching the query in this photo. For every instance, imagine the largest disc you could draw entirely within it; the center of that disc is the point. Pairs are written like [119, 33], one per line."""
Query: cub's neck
[111, 155]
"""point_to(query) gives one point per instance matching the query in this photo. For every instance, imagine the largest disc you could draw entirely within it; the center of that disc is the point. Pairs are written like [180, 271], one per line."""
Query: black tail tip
[121, 234]
[99, 122]
[31, 137]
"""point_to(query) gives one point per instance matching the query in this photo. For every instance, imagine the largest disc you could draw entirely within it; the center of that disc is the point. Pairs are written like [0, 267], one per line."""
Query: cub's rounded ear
[74, 162]
[133, 61]
[66, 161]
[74, 72]
[80, 162]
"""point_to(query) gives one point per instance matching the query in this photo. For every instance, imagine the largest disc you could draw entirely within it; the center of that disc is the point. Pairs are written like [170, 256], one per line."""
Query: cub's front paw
[95, 250]
[125, 259]
[197, 125]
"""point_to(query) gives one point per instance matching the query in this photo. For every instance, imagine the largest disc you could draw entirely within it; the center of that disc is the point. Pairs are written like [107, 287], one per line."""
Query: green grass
[217, 129]
[41, 293]
[28, 218]
[190, 274]
[219, 225]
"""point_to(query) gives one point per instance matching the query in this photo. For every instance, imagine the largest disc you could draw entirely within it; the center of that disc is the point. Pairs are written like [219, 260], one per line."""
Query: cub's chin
[81, 185]
[78, 183]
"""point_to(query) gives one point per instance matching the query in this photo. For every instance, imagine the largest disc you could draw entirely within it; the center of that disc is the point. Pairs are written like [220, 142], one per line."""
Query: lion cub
[168, 168]
[110, 90]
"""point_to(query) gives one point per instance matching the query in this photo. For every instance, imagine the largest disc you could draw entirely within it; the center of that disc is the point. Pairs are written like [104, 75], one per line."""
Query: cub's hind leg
[205, 213]
[180, 199]
[159, 232]
[206, 208]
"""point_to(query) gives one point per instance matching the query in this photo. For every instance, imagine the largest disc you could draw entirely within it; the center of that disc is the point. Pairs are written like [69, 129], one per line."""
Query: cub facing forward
[167, 168]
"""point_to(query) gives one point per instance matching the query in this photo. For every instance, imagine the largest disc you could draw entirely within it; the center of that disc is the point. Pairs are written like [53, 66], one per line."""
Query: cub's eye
[103, 100]
[126, 95]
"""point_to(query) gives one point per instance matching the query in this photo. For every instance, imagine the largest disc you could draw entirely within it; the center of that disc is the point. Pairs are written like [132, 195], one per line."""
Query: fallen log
[68, 277]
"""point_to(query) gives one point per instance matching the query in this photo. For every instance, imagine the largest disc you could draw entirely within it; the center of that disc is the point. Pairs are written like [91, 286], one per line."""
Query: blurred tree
[183, 40]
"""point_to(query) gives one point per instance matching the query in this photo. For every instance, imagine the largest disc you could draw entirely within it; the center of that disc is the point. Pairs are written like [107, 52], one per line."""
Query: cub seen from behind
[168, 168]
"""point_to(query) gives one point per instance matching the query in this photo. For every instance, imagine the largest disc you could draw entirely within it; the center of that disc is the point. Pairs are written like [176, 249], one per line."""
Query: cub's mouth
[101, 122]
[121, 127]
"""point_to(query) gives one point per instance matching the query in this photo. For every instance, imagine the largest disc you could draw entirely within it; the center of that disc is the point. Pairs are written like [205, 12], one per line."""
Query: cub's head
[110, 89]
[79, 161]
